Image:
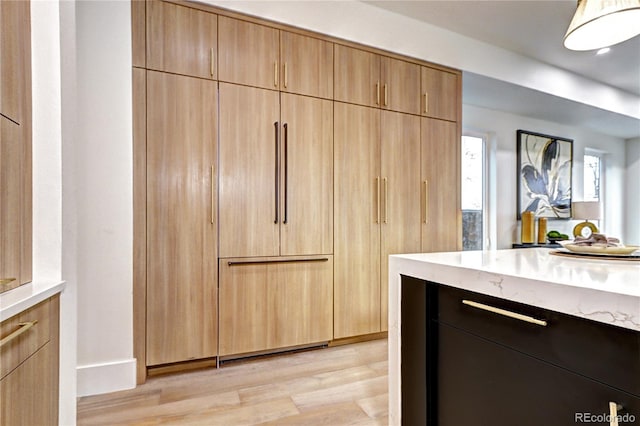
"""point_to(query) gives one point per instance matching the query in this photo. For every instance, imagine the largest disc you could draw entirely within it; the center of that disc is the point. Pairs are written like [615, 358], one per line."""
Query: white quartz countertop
[14, 301]
[607, 291]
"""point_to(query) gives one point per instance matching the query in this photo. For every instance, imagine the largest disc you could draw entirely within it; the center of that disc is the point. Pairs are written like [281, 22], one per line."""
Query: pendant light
[602, 23]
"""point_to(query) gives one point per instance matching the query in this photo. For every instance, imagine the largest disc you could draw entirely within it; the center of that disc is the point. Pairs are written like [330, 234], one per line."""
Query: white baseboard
[108, 377]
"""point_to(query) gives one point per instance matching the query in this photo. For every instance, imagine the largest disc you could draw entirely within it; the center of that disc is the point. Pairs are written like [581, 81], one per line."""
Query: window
[473, 193]
[592, 167]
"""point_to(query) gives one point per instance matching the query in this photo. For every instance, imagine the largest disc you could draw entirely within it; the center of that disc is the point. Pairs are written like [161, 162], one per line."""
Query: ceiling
[534, 29]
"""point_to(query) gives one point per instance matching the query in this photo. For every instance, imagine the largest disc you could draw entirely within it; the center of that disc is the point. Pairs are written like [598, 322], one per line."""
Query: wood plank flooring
[342, 385]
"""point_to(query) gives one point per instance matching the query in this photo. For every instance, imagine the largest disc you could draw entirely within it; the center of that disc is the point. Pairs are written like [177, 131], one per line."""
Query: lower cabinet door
[271, 303]
[483, 383]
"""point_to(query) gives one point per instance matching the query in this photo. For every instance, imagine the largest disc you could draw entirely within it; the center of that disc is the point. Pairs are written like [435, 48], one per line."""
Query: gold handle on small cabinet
[386, 95]
[23, 328]
[213, 193]
[378, 199]
[286, 80]
[4, 281]
[505, 313]
[385, 199]
[613, 413]
[211, 59]
[275, 73]
[377, 93]
[426, 201]
[426, 102]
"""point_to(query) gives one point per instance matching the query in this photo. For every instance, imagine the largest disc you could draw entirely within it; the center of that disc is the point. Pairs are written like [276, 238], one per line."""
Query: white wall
[100, 216]
[632, 218]
[503, 127]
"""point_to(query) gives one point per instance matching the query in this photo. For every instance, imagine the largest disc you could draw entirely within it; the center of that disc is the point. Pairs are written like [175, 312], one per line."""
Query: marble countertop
[607, 291]
[14, 301]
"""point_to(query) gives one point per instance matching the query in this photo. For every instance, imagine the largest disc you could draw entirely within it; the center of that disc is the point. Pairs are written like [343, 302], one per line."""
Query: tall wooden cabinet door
[441, 215]
[11, 204]
[307, 176]
[248, 53]
[250, 147]
[400, 85]
[304, 301]
[247, 303]
[440, 94]
[356, 76]
[356, 215]
[181, 40]
[307, 65]
[181, 218]
[400, 230]
[15, 59]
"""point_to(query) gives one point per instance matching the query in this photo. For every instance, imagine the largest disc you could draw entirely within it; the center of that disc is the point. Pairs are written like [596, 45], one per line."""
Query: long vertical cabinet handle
[426, 102]
[275, 73]
[286, 80]
[211, 59]
[386, 95]
[277, 173]
[377, 93]
[426, 201]
[213, 193]
[285, 127]
[613, 413]
[378, 199]
[386, 200]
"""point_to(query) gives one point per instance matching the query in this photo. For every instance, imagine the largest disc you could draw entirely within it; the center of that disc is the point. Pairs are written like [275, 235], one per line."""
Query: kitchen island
[574, 339]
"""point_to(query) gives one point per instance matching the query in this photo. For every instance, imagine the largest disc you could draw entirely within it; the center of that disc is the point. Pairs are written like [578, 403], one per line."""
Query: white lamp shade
[601, 23]
[585, 210]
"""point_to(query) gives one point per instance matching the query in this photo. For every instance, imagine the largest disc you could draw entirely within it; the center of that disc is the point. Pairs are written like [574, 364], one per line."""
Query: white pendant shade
[602, 23]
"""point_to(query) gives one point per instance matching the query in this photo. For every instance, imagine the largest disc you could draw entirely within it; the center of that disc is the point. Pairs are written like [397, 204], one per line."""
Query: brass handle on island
[24, 327]
[4, 281]
[505, 313]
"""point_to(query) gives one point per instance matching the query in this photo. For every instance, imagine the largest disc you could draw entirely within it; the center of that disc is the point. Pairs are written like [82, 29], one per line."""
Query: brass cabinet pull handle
[285, 126]
[23, 328]
[213, 193]
[426, 201]
[426, 102]
[4, 281]
[505, 313]
[211, 62]
[277, 173]
[386, 93]
[378, 199]
[377, 93]
[385, 200]
[262, 262]
[275, 73]
[285, 75]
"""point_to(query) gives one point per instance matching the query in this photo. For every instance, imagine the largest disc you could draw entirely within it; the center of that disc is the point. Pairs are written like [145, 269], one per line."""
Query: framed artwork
[544, 175]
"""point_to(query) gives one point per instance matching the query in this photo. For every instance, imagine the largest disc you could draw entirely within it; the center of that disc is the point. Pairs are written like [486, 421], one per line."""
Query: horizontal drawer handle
[261, 262]
[505, 313]
[24, 327]
[4, 281]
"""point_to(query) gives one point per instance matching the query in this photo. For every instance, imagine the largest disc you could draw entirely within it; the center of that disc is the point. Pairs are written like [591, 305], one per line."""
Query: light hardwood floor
[342, 385]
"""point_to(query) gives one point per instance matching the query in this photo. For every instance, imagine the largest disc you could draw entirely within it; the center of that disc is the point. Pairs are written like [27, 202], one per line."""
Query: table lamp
[585, 210]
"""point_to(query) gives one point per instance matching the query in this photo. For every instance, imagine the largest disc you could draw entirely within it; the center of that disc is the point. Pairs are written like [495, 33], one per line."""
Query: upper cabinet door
[248, 53]
[357, 76]
[440, 94]
[400, 89]
[307, 181]
[15, 59]
[181, 40]
[307, 65]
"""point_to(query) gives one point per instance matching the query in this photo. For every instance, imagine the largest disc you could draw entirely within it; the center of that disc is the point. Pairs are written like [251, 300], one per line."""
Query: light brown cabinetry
[29, 366]
[270, 303]
[181, 40]
[260, 56]
[441, 214]
[374, 80]
[376, 172]
[440, 94]
[15, 145]
[181, 218]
